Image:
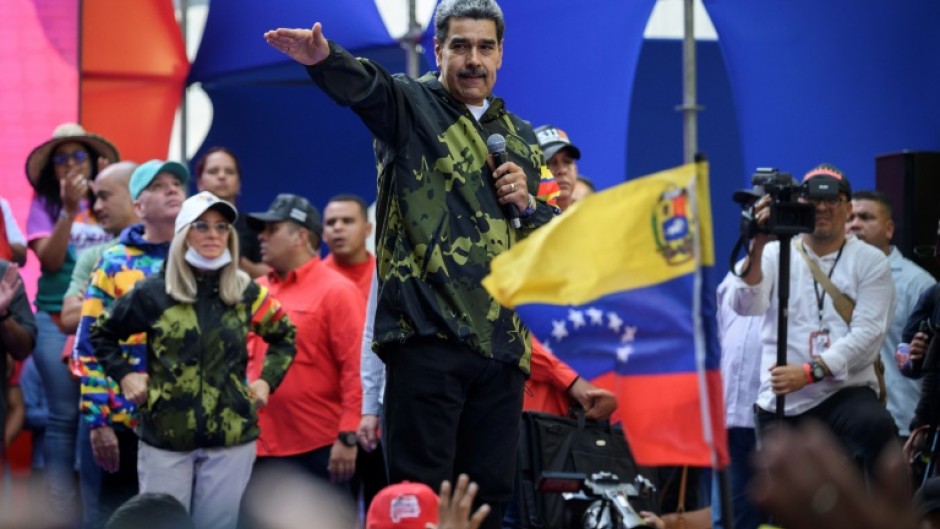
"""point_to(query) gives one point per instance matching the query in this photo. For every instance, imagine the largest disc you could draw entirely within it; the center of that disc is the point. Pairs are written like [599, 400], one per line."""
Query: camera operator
[830, 373]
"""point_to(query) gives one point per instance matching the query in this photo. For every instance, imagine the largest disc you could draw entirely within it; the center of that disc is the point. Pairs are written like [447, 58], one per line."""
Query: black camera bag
[554, 443]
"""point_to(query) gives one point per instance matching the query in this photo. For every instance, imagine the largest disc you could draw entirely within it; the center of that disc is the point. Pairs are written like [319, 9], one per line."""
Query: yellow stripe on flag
[609, 242]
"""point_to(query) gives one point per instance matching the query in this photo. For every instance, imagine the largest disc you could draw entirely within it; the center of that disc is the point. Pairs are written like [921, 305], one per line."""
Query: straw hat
[68, 132]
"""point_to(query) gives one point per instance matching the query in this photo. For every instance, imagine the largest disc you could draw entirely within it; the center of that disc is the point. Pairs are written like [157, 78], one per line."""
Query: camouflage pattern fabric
[197, 360]
[439, 223]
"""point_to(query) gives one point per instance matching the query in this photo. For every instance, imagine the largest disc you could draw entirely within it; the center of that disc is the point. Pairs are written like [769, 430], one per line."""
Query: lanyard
[821, 297]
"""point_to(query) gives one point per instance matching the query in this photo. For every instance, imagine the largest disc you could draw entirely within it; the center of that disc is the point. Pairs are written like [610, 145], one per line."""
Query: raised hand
[806, 481]
[73, 188]
[454, 509]
[306, 46]
[10, 283]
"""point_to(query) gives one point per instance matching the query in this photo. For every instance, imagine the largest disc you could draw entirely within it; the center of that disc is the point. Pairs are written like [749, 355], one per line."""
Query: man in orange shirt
[346, 227]
[311, 420]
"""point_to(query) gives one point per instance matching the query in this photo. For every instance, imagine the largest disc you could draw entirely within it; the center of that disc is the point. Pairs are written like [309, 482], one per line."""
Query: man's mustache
[472, 72]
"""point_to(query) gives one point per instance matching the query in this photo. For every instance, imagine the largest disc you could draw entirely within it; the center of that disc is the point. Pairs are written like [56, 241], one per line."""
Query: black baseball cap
[832, 173]
[552, 139]
[288, 207]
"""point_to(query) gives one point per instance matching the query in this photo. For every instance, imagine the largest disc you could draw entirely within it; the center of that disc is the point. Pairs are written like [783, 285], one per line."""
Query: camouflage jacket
[438, 222]
[196, 359]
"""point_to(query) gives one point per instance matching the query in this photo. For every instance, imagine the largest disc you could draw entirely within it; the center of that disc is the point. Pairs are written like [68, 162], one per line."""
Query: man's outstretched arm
[306, 46]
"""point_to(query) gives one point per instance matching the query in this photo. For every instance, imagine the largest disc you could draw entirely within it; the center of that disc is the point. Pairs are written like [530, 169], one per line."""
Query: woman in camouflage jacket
[198, 413]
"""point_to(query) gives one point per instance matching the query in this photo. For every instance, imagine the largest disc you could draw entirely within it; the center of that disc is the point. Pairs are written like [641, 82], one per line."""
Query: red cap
[403, 506]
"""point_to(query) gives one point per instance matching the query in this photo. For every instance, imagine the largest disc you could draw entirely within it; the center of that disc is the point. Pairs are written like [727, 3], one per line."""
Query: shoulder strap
[844, 305]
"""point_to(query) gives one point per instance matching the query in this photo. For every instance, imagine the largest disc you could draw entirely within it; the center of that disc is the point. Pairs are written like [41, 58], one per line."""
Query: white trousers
[209, 482]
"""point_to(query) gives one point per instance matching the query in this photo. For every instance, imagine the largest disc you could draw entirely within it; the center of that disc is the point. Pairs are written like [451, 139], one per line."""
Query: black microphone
[496, 144]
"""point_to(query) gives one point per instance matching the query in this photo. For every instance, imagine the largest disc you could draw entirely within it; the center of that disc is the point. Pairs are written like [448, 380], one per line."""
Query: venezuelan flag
[614, 288]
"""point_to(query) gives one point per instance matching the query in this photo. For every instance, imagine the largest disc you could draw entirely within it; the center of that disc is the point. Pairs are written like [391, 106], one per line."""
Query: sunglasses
[203, 227]
[63, 158]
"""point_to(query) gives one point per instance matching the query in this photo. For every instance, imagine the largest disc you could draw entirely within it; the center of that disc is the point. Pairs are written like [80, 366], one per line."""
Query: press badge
[818, 342]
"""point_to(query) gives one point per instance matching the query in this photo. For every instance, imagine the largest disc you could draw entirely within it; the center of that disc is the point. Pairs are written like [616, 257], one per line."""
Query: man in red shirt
[312, 418]
[346, 227]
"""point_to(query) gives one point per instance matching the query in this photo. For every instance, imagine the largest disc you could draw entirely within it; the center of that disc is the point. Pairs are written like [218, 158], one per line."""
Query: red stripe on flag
[662, 418]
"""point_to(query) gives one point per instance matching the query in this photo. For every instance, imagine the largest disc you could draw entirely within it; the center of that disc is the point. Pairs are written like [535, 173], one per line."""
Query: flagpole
[689, 105]
[411, 41]
[723, 475]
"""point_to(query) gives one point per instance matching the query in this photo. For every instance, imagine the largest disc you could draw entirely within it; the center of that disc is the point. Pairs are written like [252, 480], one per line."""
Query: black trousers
[856, 417]
[122, 485]
[370, 476]
[449, 410]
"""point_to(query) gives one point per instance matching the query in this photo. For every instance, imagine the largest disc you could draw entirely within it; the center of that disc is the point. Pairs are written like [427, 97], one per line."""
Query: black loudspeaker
[911, 180]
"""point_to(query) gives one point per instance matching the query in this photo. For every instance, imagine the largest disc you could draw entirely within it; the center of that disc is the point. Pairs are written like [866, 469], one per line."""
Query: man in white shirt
[830, 373]
[740, 341]
[870, 221]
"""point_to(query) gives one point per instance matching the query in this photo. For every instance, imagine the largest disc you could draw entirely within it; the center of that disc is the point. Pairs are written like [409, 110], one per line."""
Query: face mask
[192, 257]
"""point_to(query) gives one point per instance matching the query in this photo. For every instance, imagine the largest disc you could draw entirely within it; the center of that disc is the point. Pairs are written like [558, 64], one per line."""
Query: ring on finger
[512, 187]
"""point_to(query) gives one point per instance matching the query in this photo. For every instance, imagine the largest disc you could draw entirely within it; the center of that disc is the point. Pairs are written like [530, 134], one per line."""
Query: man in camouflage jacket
[455, 358]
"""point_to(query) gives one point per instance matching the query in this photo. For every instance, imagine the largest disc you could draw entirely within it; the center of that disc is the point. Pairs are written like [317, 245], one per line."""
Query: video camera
[788, 216]
[601, 501]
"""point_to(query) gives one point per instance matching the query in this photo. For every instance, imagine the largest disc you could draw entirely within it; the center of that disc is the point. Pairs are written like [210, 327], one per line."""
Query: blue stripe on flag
[642, 331]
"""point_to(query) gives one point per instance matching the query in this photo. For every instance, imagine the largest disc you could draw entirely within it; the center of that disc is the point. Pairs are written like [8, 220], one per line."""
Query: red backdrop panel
[133, 69]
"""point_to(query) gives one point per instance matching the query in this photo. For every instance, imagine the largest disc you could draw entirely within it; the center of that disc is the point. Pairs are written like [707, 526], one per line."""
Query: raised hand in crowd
[454, 506]
[9, 285]
[806, 481]
[74, 188]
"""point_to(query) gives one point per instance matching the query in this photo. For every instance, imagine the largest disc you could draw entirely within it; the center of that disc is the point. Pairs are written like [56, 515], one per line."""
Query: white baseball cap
[197, 204]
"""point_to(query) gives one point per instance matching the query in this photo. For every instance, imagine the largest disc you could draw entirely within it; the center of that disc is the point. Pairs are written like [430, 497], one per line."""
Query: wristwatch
[348, 438]
[530, 207]
[816, 371]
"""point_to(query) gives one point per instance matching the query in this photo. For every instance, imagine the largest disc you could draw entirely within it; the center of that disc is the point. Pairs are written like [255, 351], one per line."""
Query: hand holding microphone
[511, 187]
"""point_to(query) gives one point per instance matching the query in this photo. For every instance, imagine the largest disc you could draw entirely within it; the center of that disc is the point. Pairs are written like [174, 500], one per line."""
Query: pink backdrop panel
[38, 90]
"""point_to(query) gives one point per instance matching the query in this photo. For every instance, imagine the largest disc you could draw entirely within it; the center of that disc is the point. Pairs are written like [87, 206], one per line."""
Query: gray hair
[181, 281]
[475, 9]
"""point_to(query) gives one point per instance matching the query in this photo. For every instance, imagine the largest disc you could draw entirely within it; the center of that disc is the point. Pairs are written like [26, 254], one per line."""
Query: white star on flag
[596, 316]
[558, 330]
[577, 318]
[623, 353]
[615, 322]
[629, 334]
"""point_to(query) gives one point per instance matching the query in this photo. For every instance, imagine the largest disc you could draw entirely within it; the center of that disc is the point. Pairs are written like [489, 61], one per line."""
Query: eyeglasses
[63, 158]
[831, 202]
[203, 227]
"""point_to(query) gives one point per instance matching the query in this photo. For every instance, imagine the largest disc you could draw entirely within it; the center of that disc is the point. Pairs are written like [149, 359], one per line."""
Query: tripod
[783, 308]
